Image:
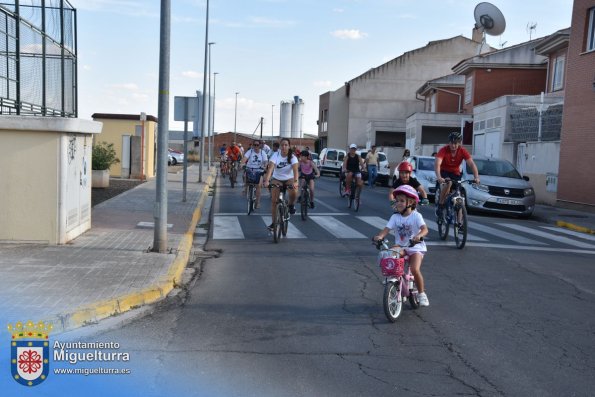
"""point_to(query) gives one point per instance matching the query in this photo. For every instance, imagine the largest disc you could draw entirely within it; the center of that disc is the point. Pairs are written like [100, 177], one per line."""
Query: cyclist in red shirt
[448, 165]
[233, 153]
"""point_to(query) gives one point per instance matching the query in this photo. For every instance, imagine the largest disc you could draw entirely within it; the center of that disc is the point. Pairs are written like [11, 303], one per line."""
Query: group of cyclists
[283, 167]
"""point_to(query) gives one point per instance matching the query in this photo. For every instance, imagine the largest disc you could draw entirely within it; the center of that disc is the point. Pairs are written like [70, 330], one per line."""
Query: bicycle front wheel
[285, 220]
[393, 304]
[251, 199]
[356, 199]
[232, 177]
[442, 225]
[305, 203]
[278, 224]
[460, 226]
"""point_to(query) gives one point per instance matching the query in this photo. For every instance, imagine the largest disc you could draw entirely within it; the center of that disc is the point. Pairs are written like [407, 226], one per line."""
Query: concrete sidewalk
[107, 270]
[578, 221]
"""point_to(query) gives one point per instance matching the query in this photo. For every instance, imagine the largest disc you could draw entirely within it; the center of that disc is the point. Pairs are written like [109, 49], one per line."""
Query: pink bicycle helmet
[407, 191]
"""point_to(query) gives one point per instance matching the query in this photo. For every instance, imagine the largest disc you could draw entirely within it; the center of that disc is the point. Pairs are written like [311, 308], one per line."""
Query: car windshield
[425, 164]
[314, 156]
[495, 168]
[381, 157]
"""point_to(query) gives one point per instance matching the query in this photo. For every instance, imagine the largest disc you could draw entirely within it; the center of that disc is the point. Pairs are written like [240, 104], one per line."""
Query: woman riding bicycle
[448, 166]
[308, 171]
[283, 167]
[255, 161]
[408, 224]
[352, 166]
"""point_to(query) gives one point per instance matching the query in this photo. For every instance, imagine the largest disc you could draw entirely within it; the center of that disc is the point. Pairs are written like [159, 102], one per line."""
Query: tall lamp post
[214, 92]
[235, 120]
[210, 111]
[204, 99]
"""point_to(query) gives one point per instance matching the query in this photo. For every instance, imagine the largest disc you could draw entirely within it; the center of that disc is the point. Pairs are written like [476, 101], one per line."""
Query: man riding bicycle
[448, 166]
[255, 161]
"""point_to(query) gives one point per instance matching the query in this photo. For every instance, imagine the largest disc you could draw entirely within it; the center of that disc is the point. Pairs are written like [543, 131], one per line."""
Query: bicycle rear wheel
[392, 302]
[341, 187]
[460, 226]
[305, 203]
[413, 296]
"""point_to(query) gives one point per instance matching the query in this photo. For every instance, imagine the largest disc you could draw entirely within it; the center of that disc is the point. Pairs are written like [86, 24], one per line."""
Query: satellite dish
[489, 19]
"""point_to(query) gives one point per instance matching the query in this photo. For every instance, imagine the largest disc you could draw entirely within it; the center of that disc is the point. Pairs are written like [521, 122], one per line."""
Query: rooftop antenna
[488, 20]
[531, 26]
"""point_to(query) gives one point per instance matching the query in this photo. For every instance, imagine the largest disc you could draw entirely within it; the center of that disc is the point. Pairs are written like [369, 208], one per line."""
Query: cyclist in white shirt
[255, 161]
[283, 167]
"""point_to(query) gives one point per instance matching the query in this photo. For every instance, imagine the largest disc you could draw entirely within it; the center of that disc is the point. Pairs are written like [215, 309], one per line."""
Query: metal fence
[533, 120]
[38, 65]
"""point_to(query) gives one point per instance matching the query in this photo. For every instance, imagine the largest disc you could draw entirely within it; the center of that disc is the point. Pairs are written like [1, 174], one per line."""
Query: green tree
[104, 156]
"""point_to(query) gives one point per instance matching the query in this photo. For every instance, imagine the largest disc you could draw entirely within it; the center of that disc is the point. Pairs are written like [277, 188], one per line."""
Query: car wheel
[174, 161]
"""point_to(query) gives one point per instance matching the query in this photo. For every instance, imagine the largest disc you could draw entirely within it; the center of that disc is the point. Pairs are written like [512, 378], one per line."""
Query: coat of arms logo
[30, 358]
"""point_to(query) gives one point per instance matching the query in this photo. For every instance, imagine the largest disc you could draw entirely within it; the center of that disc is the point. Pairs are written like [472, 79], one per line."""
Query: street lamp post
[213, 125]
[272, 122]
[235, 120]
[210, 111]
[204, 99]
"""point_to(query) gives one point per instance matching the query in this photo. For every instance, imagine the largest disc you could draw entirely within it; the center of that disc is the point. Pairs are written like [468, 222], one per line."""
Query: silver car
[502, 188]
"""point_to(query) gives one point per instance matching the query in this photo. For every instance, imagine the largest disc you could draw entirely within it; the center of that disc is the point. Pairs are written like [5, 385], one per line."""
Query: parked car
[502, 188]
[315, 159]
[383, 168]
[331, 161]
[170, 159]
[177, 157]
[423, 171]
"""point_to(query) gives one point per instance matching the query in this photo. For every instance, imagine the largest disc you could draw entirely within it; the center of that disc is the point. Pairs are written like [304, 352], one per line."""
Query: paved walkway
[108, 269]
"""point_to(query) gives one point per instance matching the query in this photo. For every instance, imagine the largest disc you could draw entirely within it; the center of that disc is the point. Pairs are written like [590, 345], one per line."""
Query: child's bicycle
[304, 198]
[454, 213]
[399, 283]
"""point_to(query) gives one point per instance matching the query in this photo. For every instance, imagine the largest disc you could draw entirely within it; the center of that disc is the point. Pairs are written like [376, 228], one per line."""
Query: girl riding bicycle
[308, 171]
[283, 167]
[408, 224]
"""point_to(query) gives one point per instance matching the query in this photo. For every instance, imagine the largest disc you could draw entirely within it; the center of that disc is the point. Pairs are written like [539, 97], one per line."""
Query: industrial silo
[297, 110]
[285, 119]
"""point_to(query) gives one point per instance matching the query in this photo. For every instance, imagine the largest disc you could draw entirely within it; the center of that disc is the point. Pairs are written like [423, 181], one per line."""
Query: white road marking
[549, 236]
[505, 235]
[336, 227]
[571, 232]
[292, 231]
[470, 237]
[226, 228]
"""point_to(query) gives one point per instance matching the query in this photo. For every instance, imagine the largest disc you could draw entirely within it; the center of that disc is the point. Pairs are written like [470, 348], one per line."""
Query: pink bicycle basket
[392, 267]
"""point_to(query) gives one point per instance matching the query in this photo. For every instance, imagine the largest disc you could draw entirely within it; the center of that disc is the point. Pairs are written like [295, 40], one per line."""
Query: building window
[591, 32]
[558, 73]
[468, 89]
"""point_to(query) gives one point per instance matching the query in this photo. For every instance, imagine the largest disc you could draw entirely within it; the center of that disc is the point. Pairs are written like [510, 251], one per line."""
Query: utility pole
[160, 210]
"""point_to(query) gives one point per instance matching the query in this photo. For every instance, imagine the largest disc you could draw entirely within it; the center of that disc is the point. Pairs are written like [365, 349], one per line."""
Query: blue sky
[269, 50]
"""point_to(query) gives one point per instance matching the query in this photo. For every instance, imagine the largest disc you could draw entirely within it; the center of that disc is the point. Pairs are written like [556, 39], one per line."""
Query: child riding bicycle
[308, 171]
[408, 224]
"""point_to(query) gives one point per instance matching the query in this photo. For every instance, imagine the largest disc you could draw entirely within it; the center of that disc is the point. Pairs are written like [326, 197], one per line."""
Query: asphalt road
[510, 315]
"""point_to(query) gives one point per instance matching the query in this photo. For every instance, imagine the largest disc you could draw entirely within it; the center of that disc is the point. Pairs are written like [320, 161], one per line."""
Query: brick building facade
[575, 180]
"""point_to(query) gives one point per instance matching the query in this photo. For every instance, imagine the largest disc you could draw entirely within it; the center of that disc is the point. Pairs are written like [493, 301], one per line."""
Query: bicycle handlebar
[384, 243]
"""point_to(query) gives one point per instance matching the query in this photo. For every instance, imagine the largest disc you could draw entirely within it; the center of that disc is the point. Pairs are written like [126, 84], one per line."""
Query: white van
[383, 168]
[331, 161]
